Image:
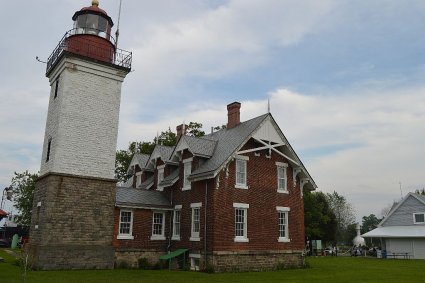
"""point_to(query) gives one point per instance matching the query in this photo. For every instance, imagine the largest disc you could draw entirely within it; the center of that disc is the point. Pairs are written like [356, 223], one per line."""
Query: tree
[420, 192]
[349, 233]
[343, 211]
[23, 185]
[368, 224]
[168, 138]
[319, 219]
[194, 129]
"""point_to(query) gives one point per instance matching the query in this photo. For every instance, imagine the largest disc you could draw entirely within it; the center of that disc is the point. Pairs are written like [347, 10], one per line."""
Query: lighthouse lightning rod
[117, 33]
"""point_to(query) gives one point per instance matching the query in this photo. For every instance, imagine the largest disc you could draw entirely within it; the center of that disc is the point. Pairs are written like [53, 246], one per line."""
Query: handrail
[120, 58]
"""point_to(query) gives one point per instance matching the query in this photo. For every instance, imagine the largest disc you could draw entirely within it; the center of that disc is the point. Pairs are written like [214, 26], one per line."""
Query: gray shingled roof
[164, 151]
[202, 146]
[170, 179]
[141, 159]
[147, 183]
[227, 142]
[141, 198]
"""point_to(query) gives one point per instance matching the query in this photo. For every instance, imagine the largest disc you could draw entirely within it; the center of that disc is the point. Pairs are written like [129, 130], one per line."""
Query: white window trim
[187, 186]
[128, 236]
[162, 236]
[414, 218]
[192, 261]
[176, 208]
[160, 169]
[195, 236]
[285, 173]
[285, 210]
[244, 206]
[138, 178]
[241, 185]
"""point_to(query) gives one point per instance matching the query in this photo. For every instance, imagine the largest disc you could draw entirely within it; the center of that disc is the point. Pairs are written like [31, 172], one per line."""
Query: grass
[322, 269]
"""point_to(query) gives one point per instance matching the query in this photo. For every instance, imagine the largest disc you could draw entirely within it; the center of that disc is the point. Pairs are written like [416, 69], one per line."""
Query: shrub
[143, 263]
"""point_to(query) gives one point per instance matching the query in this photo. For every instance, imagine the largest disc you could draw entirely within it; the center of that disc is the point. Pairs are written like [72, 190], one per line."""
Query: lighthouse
[71, 225]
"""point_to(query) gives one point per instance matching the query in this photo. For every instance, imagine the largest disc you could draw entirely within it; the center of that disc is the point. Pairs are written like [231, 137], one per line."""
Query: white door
[419, 248]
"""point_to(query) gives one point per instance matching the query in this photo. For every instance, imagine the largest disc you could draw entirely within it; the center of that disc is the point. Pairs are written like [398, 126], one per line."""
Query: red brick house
[231, 200]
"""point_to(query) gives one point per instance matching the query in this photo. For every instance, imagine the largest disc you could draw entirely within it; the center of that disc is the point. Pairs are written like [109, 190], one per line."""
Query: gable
[268, 132]
[402, 214]
[139, 159]
[265, 131]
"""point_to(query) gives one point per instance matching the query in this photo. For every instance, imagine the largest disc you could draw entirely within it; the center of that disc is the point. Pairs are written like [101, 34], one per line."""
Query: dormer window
[160, 176]
[138, 178]
[419, 218]
[187, 170]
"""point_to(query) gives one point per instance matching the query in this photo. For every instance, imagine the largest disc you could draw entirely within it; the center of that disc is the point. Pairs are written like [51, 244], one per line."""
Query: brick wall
[263, 251]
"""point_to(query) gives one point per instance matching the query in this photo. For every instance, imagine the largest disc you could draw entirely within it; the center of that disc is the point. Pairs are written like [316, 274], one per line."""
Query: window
[158, 226]
[194, 261]
[49, 147]
[176, 222]
[282, 182]
[196, 221]
[56, 87]
[241, 231]
[241, 162]
[138, 178]
[187, 169]
[160, 177]
[126, 225]
[283, 223]
[419, 218]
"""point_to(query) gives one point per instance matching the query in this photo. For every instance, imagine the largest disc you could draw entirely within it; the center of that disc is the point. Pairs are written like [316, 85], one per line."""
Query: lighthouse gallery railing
[116, 56]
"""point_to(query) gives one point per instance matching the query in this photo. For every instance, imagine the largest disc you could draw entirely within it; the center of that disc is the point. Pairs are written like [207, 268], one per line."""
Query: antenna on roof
[268, 105]
[117, 33]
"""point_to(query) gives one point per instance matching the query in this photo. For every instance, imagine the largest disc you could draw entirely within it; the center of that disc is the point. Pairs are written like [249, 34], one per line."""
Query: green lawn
[322, 269]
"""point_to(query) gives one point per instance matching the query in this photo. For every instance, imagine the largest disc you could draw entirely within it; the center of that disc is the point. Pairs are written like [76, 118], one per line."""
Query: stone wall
[72, 222]
[255, 261]
[130, 257]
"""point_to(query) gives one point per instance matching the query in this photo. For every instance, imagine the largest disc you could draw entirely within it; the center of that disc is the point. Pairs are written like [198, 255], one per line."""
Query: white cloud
[214, 43]
[377, 137]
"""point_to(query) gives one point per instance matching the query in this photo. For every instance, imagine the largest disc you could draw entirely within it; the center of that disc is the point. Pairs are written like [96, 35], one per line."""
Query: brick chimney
[233, 114]
[181, 130]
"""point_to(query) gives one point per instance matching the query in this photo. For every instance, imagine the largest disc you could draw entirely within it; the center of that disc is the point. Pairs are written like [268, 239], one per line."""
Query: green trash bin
[15, 240]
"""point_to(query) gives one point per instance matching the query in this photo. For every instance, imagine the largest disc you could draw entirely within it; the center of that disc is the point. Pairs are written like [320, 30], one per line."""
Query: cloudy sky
[345, 81]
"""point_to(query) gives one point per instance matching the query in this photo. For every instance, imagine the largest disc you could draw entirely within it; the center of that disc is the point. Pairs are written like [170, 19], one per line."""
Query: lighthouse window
[56, 87]
[102, 24]
[49, 145]
[81, 21]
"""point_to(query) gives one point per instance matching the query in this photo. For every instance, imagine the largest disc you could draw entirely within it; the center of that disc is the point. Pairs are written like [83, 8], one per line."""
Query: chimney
[181, 130]
[233, 115]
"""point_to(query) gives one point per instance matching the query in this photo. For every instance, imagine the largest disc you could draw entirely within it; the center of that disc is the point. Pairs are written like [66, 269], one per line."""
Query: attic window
[419, 218]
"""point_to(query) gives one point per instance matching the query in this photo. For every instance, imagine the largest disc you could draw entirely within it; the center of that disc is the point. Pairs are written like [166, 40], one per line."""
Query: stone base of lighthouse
[72, 225]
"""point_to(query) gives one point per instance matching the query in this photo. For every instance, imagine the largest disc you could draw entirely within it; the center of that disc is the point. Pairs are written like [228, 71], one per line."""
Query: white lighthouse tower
[72, 220]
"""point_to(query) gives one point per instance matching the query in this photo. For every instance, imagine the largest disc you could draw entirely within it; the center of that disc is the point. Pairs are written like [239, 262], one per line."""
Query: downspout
[205, 223]
[171, 222]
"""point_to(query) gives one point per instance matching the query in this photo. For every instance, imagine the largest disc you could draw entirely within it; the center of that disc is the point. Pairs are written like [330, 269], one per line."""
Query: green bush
[143, 263]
